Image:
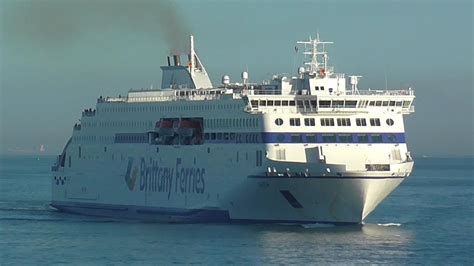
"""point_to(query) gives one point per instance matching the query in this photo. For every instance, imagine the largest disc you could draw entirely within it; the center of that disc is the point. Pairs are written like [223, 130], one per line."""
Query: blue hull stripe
[282, 137]
[323, 177]
[171, 215]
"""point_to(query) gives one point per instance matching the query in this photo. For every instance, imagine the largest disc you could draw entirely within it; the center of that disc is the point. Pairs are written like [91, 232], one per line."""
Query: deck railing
[409, 92]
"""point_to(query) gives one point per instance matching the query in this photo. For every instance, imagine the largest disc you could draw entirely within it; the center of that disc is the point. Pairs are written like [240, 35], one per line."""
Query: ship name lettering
[156, 178]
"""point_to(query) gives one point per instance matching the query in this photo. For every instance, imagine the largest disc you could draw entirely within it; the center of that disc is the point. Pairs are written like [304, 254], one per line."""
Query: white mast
[312, 52]
[192, 54]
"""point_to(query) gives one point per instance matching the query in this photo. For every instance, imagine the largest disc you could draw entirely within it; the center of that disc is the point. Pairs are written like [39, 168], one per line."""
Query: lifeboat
[187, 128]
[165, 128]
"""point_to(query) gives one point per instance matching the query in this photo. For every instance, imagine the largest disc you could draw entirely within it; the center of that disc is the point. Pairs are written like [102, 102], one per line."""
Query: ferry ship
[308, 148]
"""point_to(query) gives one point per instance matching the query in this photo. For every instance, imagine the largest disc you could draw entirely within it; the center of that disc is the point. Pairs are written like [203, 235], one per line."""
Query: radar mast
[315, 57]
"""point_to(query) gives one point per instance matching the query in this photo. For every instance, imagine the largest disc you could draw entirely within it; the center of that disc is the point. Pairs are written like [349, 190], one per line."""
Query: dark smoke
[55, 23]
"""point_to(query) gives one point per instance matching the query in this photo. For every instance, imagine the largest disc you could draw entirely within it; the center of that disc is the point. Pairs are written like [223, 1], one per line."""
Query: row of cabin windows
[137, 138]
[211, 123]
[341, 138]
[405, 104]
[247, 138]
[348, 138]
[182, 107]
[329, 122]
[327, 103]
[231, 123]
[338, 104]
[256, 103]
[118, 124]
[346, 122]
[93, 138]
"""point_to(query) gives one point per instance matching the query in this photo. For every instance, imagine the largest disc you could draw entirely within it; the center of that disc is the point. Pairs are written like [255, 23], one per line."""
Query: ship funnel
[176, 60]
[189, 74]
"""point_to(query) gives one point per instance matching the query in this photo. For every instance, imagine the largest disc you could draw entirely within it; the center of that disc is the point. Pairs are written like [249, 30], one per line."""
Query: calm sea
[429, 219]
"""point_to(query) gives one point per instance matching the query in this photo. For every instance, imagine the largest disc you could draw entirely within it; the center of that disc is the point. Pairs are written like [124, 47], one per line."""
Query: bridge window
[284, 103]
[406, 104]
[337, 103]
[277, 103]
[398, 103]
[263, 103]
[309, 122]
[326, 122]
[361, 122]
[378, 103]
[269, 103]
[292, 103]
[324, 104]
[295, 122]
[372, 103]
[345, 122]
[351, 104]
[385, 103]
[375, 122]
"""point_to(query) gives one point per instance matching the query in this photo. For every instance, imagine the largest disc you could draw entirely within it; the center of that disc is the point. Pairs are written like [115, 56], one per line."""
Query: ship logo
[131, 175]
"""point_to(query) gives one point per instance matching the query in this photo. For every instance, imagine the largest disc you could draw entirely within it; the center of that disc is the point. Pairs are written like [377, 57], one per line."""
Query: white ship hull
[191, 188]
[317, 200]
[298, 149]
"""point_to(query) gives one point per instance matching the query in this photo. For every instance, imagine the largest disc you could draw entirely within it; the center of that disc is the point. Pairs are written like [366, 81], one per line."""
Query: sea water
[429, 219]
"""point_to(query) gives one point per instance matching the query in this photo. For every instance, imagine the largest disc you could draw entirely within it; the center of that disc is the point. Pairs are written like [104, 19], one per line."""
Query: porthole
[390, 122]
[279, 121]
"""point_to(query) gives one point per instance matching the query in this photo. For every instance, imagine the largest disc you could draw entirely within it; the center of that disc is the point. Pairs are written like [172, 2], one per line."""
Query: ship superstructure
[293, 149]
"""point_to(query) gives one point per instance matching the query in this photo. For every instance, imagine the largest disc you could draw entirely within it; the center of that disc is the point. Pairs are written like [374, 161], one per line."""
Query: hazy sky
[57, 57]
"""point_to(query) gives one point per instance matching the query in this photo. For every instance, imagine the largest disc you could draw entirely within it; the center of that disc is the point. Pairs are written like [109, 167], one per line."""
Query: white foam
[389, 224]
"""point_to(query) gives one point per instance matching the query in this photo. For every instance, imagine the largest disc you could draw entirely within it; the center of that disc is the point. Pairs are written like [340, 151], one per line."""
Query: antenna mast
[316, 59]
[192, 54]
